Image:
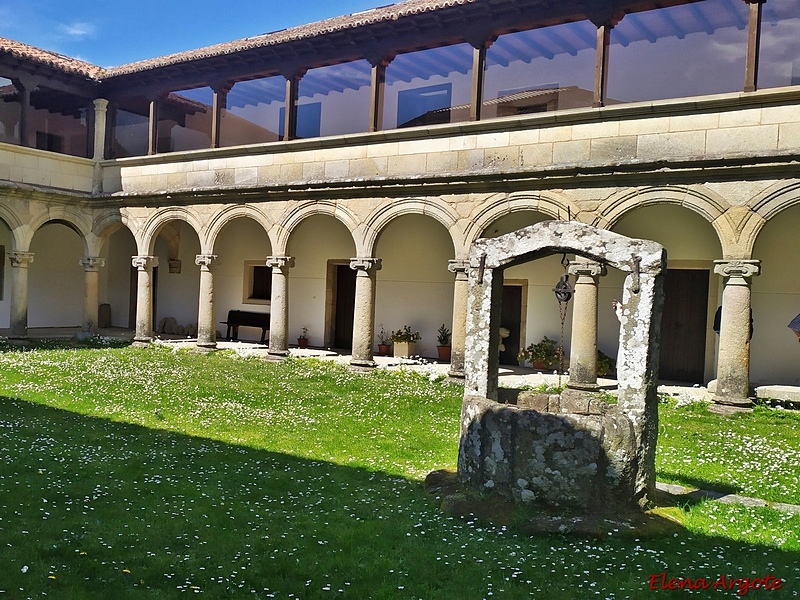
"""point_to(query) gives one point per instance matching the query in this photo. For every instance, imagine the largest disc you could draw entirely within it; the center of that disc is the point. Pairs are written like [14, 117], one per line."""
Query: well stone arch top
[297, 214]
[231, 213]
[157, 220]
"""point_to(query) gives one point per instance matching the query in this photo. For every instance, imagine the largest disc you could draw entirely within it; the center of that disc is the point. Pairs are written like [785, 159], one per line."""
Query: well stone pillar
[733, 366]
[144, 298]
[279, 305]
[459, 328]
[91, 294]
[583, 345]
[206, 323]
[364, 313]
[19, 293]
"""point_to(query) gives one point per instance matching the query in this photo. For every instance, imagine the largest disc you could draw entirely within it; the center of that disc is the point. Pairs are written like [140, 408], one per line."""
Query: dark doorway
[683, 325]
[344, 306]
[511, 319]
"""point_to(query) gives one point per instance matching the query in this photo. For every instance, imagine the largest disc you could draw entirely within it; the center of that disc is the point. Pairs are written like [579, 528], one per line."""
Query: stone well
[569, 449]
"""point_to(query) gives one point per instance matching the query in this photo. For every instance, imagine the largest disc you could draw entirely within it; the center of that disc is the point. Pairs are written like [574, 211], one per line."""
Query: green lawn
[151, 474]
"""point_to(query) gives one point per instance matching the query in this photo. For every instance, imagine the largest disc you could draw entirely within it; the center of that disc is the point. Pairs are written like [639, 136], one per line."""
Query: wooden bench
[243, 318]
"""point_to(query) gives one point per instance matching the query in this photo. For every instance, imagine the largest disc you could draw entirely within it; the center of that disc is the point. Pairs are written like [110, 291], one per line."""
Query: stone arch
[766, 206]
[323, 207]
[16, 226]
[380, 218]
[152, 226]
[230, 213]
[553, 205]
[67, 216]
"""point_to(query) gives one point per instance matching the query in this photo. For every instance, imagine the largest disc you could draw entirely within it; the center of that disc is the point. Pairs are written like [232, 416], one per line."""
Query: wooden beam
[377, 93]
[753, 46]
[478, 78]
[601, 65]
[218, 104]
[290, 112]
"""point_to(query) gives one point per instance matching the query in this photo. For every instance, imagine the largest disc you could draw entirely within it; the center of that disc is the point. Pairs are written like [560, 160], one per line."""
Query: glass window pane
[184, 120]
[252, 112]
[130, 127]
[428, 87]
[688, 50]
[540, 70]
[57, 122]
[9, 112]
[342, 96]
[779, 60]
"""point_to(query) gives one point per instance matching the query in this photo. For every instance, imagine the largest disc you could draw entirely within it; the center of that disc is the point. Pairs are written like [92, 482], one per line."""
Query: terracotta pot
[302, 342]
[383, 349]
[444, 353]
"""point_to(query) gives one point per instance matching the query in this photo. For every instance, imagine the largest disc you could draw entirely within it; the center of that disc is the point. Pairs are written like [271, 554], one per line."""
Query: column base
[84, 335]
[726, 409]
[584, 387]
[141, 342]
[212, 347]
[362, 365]
[277, 355]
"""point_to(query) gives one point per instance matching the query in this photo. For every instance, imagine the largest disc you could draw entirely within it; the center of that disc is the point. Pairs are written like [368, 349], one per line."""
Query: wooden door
[344, 307]
[511, 319]
[683, 325]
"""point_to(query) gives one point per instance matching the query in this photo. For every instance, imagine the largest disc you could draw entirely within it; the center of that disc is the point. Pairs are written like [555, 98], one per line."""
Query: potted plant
[302, 341]
[542, 355]
[405, 341]
[384, 344]
[443, 348]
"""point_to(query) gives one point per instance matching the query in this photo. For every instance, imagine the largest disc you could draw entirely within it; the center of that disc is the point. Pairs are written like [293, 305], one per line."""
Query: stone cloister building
[335, 175]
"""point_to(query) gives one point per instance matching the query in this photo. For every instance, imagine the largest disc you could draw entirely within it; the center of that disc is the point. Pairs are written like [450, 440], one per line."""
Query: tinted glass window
[779, 61]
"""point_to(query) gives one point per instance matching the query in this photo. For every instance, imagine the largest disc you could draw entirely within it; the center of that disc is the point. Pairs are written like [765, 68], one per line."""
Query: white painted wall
[5, 303]
[179, 293]
[774, 350]
[316, 240]
[115, 286]
[240, 240]
[414, 286]
[56, 273]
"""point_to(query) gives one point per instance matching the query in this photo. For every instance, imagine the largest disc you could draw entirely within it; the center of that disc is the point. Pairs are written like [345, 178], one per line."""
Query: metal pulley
[563, 289]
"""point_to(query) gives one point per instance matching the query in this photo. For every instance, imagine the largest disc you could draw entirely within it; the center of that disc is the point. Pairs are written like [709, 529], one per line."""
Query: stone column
[364, 315]
[100, 110]
[144, 299]
[733, 368]
[279, 305]
[206, 323]
[459, 329]
[19, 293]
[583, 352]
[91, 295]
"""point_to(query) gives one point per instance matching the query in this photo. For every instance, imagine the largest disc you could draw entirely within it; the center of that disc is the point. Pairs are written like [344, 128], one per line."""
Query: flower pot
[302, 342]
[383, 349]
[444, 353]
[404, 349]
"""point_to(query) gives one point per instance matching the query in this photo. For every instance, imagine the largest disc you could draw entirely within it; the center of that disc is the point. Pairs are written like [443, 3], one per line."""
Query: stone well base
[569, 450]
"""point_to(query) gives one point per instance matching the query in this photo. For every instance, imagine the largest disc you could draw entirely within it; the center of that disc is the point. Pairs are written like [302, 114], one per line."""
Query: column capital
[100, 104]
[144, 263]
[458, 266]
[280, 262]
[20, 259]
[206, 260]
[738, 268]
[92, 263]
[587, 268]
[366, 264]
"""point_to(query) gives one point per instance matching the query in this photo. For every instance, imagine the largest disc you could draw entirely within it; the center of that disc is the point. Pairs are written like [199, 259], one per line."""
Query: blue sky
[114, 32]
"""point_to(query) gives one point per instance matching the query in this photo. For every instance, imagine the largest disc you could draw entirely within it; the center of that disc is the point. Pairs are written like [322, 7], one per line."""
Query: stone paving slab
[725, 498]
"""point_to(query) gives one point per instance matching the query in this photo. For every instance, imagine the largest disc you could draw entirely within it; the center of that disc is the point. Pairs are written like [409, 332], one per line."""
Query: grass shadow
[94, 508]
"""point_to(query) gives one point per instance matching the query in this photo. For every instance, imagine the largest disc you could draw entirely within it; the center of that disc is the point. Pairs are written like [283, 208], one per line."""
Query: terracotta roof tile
[50, 59]
[388, 13]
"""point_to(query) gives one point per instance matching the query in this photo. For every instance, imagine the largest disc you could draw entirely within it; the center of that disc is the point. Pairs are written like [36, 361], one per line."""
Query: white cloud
[78, 29]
